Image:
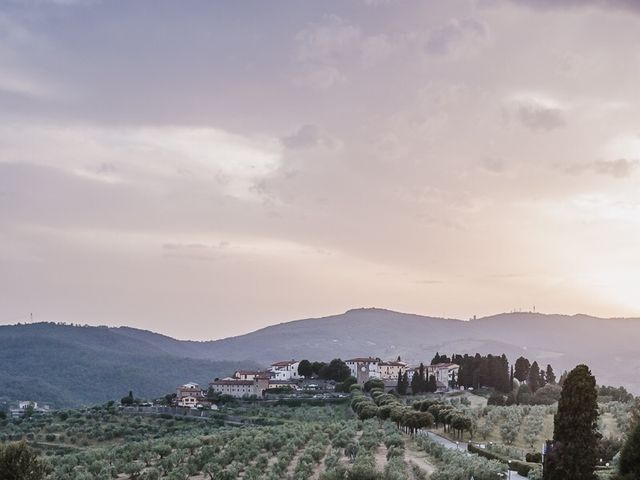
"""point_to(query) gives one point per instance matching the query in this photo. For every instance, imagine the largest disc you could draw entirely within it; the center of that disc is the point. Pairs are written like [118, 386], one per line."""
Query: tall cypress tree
[415, 383]
[550, 376]
[422, 381]
[399, 385]
[533, 379]
[432, 384]
[405, 382]
[630, 456]
[575, 436]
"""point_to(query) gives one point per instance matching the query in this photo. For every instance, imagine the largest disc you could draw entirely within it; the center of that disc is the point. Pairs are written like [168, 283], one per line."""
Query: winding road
[462, 446]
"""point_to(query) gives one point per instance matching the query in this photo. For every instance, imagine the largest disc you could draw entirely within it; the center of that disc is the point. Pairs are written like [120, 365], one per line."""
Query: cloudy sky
[205, 168]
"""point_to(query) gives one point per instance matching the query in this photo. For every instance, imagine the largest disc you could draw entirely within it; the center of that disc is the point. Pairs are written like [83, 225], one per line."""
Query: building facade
[392, 369]
[364, 368]
[241, 388]
[285, 370]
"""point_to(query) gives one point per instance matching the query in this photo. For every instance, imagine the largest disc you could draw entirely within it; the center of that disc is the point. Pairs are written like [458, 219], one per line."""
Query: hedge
[519, 466]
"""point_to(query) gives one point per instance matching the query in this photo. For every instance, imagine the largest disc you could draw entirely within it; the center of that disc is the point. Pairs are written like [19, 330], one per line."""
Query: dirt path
[321, 466]
[294, 461]
[381, 457]
[413, 455]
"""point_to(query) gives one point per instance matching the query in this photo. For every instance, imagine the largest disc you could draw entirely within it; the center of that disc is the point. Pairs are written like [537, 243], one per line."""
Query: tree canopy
[19, 462]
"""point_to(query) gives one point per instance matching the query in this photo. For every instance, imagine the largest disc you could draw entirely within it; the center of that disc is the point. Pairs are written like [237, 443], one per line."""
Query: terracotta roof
[284, 363]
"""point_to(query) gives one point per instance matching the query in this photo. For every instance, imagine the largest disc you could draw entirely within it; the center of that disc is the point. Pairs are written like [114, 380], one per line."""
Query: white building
[286, 370]
[364, 368]
[189, 402]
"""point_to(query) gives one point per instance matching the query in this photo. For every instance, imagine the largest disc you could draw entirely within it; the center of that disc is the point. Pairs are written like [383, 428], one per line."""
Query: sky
[204, 169]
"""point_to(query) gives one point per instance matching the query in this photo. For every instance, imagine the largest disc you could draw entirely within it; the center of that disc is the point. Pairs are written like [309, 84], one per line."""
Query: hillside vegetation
[71, 366]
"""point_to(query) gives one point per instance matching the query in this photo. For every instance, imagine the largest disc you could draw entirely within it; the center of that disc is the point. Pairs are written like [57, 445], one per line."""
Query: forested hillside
[69, 366]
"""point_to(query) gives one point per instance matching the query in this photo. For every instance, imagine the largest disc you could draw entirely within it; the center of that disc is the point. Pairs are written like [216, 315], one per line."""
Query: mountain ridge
[151, 363]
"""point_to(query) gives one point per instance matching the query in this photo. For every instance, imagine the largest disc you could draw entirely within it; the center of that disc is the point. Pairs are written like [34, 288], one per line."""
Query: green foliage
[373, 383]
[613, 394]
[19, 462]
[305, 369]
[455, 465]
[336, 370]
[104, 361]
[346, 385]
[547, 395]
[630, 455]
[575, 429]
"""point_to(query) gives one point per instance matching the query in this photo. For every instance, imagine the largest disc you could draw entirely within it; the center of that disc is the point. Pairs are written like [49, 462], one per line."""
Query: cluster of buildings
[243, 383]
[366, 368]
[284, 375]
[23, 408]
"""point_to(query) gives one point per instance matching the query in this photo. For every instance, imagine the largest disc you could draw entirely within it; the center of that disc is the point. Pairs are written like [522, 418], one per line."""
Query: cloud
[231, 163]
[620, 168]
[307, 136]
[446, 38]
[326, 40]
[320, 77]
[538, 113]
[493, 164]
[632, 5]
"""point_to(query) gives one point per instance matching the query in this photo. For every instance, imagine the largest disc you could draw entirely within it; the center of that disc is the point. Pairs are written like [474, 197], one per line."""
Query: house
[25, 405]
[188, 402]
[285, 370]
[246, 374]
[189, 395]
[364, 368]
[390, 370]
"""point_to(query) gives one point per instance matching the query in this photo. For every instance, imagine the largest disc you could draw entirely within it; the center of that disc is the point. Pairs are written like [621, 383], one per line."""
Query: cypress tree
[551, 376]
[533, 379]
[399, 384]
[432, 385]
[415, 383]
[436, 359]
[422, 381]
[575, 436]
[630, 456]
[522, 369]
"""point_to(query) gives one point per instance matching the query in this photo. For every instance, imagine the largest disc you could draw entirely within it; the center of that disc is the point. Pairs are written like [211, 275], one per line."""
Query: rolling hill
[71, 365]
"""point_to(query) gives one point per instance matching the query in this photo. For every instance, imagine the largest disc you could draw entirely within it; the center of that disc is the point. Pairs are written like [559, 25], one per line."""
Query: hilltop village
[291, 376]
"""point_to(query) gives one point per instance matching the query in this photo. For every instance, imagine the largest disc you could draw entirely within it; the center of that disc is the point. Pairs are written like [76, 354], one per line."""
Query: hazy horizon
[314, 317]
[206, 169]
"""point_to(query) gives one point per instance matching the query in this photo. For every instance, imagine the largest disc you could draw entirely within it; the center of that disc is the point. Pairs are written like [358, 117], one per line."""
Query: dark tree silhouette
[575, 436]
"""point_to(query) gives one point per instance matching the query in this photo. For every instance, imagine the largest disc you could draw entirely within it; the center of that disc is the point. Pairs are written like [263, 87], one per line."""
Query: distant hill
[609, 346]
[72, 365]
